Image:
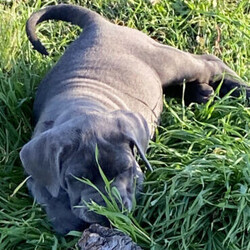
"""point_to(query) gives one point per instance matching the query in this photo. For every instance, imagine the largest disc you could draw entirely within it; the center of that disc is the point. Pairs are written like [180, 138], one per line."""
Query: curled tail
[65, 12]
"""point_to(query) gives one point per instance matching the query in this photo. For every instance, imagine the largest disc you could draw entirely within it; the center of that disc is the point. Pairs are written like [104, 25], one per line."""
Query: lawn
[198, 196]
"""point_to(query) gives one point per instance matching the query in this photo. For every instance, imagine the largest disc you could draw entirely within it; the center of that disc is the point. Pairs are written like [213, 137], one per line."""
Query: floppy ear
[135, 129]
[41, 159]
[142, 154]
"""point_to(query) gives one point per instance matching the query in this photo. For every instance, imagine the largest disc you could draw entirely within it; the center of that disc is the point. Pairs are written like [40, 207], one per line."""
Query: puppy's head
[56, 157]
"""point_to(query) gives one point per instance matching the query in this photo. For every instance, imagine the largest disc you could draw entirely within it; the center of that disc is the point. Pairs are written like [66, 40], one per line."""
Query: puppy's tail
[65, 12]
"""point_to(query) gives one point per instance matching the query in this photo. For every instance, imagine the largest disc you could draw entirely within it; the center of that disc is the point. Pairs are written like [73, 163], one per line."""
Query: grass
[198, 195]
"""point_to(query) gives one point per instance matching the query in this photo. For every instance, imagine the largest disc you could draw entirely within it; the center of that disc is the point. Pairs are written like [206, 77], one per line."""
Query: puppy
[105, 91]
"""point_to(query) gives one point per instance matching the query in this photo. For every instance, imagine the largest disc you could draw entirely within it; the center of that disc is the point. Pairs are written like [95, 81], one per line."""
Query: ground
[198, 195]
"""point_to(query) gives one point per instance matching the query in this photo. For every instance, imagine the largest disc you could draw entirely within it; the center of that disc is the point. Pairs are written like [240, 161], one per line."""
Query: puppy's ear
[41, 159]
[135, 129]
[142, 154]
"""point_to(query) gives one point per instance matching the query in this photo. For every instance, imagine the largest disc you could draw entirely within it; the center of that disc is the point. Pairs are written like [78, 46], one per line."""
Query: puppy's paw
[216, 71]
[230, 84]
[198, 92]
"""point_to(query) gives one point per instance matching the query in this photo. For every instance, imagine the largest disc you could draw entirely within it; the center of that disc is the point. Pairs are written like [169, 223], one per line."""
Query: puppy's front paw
[198, 92]
[230, 84]
[217, 71]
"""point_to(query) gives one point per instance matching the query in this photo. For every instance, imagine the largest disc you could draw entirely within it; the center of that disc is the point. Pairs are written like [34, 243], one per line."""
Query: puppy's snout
[127, 203]
[126, 198]
[89, 216]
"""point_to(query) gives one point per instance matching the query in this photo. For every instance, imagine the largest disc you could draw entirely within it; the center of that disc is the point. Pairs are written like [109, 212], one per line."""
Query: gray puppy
[106, 90]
